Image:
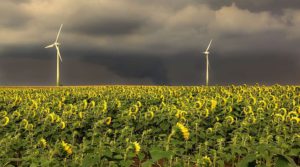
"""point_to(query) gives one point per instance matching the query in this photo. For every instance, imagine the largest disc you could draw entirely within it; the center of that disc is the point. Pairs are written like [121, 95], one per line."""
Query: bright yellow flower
[139, 104]
[295, 120]
[248, 110]
[52, 117]
[43, 142]
[62, 125]
[3, 113]
[178, 114]
[29, 127]
[85, 104]
[67, 147]
[134, 109]
[24, 123]
[149, 115]
[209, 130]
[137, 147]
[292, 114]
[198, 105]
[118, 104]
[93, 104]
[207, 160]
[4, 121]
[229, 108]
[206, 113]
[16, 114]
[184, 131]
[282, 118]
[262, 103]
[283, 110]
[230, 119]
[108, 120]
[80, 114]
[253, 99]
[213, 104]
[104, 106]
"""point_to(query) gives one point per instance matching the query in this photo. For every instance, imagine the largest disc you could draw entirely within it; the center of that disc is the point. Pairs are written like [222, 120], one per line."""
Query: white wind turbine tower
[58, 56]
[206, 52]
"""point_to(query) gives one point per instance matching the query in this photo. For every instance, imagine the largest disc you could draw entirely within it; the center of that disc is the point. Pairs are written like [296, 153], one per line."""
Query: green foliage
[150, 126]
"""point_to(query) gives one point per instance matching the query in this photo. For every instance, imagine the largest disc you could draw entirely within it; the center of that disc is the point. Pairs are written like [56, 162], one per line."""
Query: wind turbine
[206, 52]
[56, 44]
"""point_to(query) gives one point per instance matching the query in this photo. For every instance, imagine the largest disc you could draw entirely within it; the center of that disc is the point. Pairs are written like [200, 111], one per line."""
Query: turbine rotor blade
[58, 33]
[208, 45]
[49, 46]
[58, 53]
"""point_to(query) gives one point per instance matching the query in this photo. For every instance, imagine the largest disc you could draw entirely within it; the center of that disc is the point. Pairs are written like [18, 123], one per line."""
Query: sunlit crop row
[147, 125]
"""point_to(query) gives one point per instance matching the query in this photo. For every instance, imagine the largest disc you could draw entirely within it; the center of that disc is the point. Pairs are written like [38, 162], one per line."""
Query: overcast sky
[150, 42]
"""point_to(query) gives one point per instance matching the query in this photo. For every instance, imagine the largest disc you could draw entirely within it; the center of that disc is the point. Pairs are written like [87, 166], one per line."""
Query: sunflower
[137, 147]
[4, 121]
[24, 123]
[108, 120]
[62, 125]
[207, 160]
[184, 131]
[294, 120]
[43, 142]
[229, 119]
[67, 147]
[80, 114]
[149, 115]
[282, 118]
[213, 104]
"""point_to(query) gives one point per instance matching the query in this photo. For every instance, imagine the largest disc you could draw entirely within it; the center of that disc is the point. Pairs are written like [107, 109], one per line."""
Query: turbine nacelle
[206, 53]
[52, 45]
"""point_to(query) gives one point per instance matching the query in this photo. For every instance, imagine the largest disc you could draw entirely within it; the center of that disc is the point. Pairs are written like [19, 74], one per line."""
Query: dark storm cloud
[130, 65]
[108, 26]
[28, 51]
[237, 69]
[150, 42]
[26, 71]
[81, 67]
[270, 68]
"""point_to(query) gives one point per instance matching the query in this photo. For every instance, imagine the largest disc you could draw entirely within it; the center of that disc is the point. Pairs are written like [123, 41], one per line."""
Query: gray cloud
[276, 7]
[12, 15]
[18, 1]
[109, 26]
[150, 42]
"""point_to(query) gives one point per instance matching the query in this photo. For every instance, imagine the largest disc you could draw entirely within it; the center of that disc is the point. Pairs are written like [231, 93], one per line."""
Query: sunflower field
[149, 126]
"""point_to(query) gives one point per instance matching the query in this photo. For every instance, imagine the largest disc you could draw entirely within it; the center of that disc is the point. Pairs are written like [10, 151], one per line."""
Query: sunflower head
[137, 147]
[24, 123]
[184, 131]
[4, 121]
[67, 147]
[206, 161]
[213, 104]
[43, 143]
[229, 119]
[62, 125]
[108, 121]
[198, 105]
